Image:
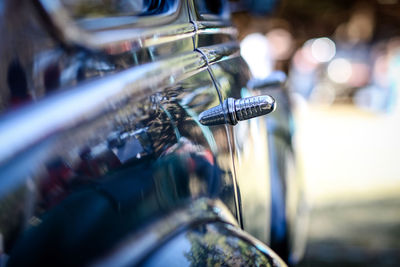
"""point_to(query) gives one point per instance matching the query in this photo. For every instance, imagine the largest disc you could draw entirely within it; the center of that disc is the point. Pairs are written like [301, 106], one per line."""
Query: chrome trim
[217, 27]
[140, 244]
[92, 24]
[86, 33]
[39, 121]
[133, 39]
[220, 52]
[95, 37]
[36, 122]
[251, 107]
[61, 24]
[232, 111]
[33, 123]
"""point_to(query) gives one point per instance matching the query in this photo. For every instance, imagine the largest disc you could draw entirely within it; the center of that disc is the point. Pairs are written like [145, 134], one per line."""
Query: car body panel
[101, 140]
[251, 151]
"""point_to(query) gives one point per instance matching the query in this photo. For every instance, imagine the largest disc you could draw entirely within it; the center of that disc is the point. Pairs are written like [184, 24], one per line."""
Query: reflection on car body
[103, 159]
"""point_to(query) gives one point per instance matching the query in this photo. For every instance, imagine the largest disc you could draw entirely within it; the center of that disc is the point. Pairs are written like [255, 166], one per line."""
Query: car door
[105, 143]
[248, 139]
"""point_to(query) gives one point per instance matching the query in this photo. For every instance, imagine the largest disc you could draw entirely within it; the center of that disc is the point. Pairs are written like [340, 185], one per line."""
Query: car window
[212, 9]
[82, 9]
[101, 8]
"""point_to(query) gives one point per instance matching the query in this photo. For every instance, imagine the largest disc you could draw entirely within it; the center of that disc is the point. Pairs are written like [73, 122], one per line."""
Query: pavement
[364, 233]
[350, 159]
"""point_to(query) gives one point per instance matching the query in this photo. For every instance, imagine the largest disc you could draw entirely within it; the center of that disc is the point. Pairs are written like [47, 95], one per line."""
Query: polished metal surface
[88, 101]
[202, 209]
[254, 106]
[213, 244]
[220, 52]
[145, 160]
[102, 154]
[251, 148]
[49, 59]
[238, 110]
[45, 62]
[90, 32]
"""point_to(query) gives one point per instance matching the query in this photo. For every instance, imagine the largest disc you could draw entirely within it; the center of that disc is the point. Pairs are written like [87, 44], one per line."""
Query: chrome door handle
[238, 110]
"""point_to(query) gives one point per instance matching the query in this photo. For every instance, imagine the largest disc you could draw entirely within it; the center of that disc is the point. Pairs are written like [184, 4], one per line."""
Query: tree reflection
[214, 245]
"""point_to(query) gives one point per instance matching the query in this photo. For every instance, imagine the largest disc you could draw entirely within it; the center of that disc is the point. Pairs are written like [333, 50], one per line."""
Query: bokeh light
[255, 49]
[281, 42]
[323, 49]
[339, 70]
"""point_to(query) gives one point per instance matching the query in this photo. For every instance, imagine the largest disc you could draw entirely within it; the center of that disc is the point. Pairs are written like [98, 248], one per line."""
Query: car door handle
[235, 110]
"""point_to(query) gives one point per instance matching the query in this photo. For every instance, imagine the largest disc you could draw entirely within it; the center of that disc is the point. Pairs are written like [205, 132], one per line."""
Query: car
[130, 135]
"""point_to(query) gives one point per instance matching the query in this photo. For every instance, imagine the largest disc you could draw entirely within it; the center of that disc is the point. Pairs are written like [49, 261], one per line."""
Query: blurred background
[342, 59]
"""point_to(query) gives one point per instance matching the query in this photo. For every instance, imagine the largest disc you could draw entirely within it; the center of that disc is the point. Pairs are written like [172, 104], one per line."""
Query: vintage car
[126, 139]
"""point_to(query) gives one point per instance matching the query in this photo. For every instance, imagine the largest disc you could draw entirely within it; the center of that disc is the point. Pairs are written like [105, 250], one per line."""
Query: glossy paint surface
[251, 152]
[212, 244]
[100, 138]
